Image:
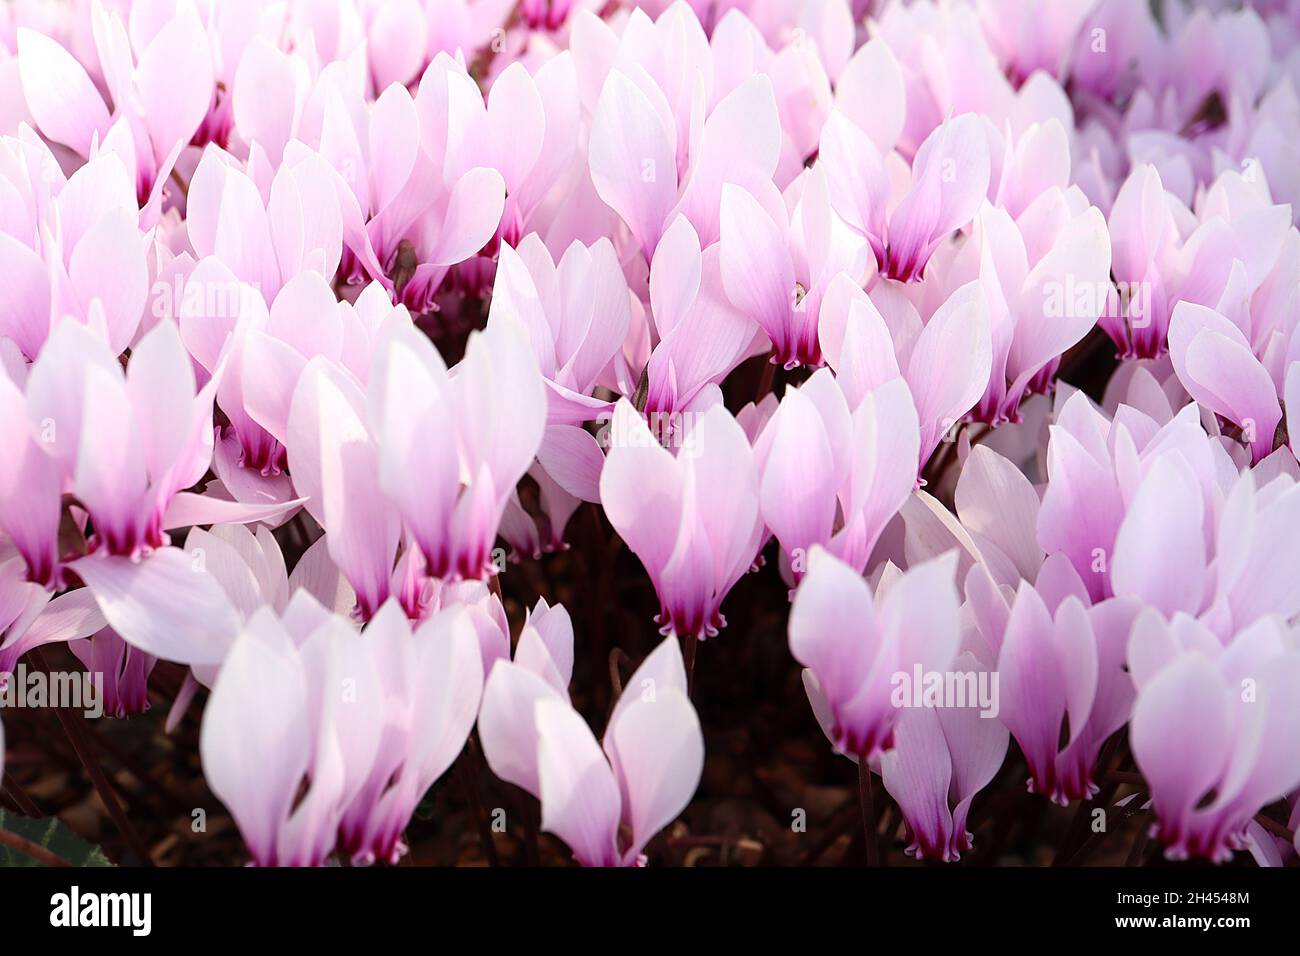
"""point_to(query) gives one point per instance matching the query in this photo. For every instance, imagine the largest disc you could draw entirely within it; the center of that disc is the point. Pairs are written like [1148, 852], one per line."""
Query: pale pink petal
[61, 97]
[917, 772]
[639, 485]
[995, 500]
[633, 159]
[1217, 367]
[24, 296]
[798, 489]
[254, 718]
[109, 264]
[1160, 548]
[1032, 686]
[1182, 736]
[572, 457]
[164, 604]
[661, 757]
[174, 81]
[265, 98]
[580, 799]
[950, 364]
[832, 625]
[870, 93]
[448, 684]
[757, 272]
[472, 215]
[317, 575]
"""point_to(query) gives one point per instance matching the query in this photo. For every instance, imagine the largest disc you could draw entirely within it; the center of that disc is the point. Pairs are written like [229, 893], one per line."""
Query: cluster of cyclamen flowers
[226, 229]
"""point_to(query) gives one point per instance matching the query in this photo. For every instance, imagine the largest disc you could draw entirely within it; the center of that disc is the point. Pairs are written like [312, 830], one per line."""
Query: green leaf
[52, 834]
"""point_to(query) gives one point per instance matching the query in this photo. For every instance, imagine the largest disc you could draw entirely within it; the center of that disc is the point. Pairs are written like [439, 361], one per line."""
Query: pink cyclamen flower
[445, 209]
[265, 237]
[946, 362]
[635, 146]
[701, 335]
[852, 646]
[410, 208]
[834, 477]
[948, 179]
[1064, 670]
[545, 644]
[1166, 518]
[353, 452]
[369, 721]
[941, 758]
[426, 699]
[485, 610]
[334, 459]
[691, 517]
[265, 352]
[528, 132]
[1214, 361]
[1031, 35]
[69, 247]
[1045, 278]
[1215, 728]
[161, 89]
[945, 66]
[121, 672]
[1084, 502]
[1229, 577]
[576, 313]
[1221, 254]
[777, 265]
[125, 443]
[453, 444]
[636, 781]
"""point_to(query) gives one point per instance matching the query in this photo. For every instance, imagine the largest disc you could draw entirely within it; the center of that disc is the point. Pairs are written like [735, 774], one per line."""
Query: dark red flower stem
[688, 658]
[71, 723]
[34, 850]
[868, 812]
